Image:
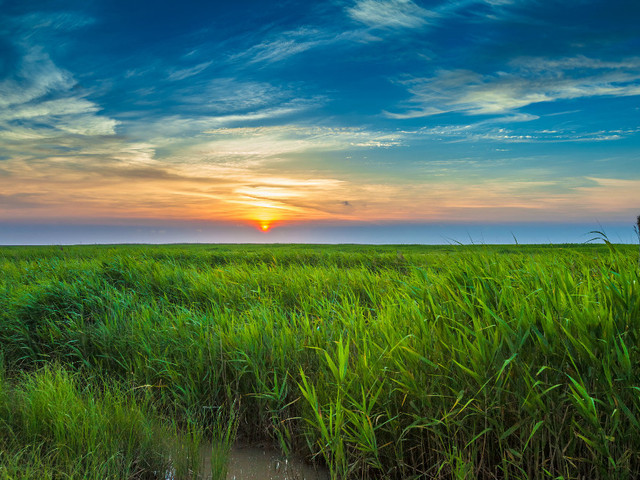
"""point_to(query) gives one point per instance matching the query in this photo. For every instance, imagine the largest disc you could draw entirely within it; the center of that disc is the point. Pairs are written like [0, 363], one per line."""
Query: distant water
[365, 233]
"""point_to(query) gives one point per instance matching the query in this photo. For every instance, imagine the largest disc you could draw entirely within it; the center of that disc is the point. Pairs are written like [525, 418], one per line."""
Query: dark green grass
[385, 361]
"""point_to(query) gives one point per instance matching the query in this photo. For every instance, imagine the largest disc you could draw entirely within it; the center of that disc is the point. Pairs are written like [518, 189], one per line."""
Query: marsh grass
[55, 427]
[435, 362]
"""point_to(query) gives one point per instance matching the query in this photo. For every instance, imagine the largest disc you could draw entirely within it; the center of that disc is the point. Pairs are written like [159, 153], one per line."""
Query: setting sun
[264, 219]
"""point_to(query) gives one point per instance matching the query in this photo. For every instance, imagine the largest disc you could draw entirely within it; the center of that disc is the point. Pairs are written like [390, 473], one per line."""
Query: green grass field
[380, 362]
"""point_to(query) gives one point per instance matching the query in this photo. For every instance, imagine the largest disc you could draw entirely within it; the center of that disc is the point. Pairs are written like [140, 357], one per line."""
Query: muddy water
[252, 463]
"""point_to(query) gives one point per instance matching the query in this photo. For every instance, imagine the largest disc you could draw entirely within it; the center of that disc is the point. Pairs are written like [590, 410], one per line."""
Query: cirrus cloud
[527, 81]
[390, 14]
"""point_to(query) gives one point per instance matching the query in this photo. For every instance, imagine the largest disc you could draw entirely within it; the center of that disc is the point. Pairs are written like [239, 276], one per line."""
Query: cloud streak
[273, 142]
[390, 14]
[285, 45]
[181, 74]
[487, 131]
[40, 101]
[531, 81]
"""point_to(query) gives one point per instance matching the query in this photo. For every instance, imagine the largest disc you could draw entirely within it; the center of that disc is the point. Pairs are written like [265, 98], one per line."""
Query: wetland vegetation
[377, 362]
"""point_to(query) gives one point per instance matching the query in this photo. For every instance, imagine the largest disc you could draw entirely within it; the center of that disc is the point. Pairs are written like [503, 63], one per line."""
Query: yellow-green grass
[382, 362]
[53, 424]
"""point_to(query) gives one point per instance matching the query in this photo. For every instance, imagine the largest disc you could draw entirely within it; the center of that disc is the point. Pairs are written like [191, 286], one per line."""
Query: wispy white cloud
[175, 129]
[226, 95]
[580, 62]
[391, 14]
[500, 2]
[217, 103]
[41, 97]
[46, 108]
[530, 81]
[484, 132]
[406, 14]
[181, 74]
[498, 129]
[88, 125]
[287, 44]
[374, 16]
[255, 144]
[53, 20]
[283, 46]
[264, 114]
[35, 77]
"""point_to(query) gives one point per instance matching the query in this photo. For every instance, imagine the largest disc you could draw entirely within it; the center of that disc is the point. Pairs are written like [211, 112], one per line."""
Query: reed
[52, 427]
[439, 362]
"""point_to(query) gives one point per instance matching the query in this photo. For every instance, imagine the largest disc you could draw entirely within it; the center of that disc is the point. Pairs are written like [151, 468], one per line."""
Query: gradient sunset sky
[362, 120]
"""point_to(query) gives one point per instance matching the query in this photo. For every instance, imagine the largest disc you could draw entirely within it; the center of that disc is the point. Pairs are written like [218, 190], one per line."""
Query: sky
[367, 121]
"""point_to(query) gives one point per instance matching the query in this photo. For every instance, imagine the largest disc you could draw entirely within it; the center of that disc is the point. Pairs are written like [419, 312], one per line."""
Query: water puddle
[255, 463]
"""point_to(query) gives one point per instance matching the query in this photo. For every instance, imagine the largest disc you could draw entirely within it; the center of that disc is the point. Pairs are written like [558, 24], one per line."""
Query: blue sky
[285, 115]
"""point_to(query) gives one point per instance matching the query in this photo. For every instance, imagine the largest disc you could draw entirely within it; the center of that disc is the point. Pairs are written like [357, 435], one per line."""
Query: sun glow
[264, 223]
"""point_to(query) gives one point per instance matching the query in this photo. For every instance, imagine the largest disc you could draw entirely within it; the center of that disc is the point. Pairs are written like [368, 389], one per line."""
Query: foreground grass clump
[52, 427]
[437, 362]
